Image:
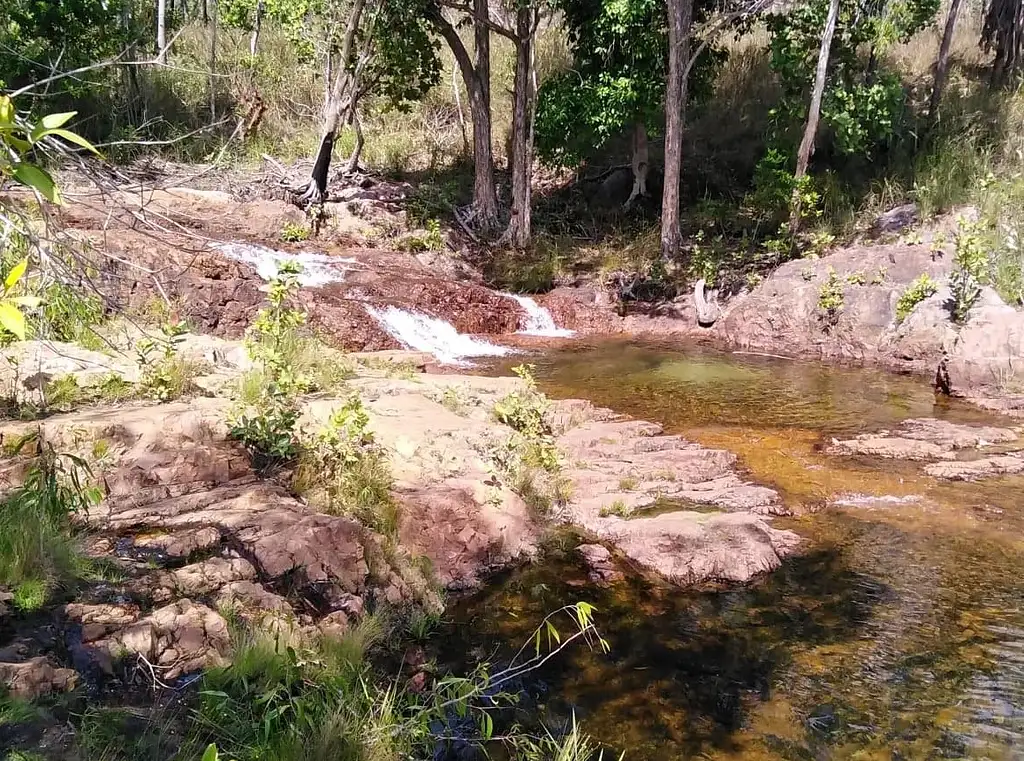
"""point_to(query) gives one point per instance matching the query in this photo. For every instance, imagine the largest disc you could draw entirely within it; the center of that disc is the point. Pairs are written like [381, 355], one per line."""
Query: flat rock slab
[943, 445]
[618, 467]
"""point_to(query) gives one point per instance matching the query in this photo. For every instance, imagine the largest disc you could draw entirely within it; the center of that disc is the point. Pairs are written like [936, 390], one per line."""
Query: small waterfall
[419, 332]
[539, 321]
[317, 269]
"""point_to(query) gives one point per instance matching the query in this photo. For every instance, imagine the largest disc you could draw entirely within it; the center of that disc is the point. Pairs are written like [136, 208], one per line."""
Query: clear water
[897, 634]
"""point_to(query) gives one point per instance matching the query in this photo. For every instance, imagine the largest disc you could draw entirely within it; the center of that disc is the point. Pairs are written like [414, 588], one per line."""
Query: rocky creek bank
[204, 256]
[197, 536]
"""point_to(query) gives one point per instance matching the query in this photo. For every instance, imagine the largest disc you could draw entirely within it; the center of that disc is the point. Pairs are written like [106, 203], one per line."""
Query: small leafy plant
[830, 298]
[267, 425]
[970, 268]
[294, 233]
[918, 291]
[343, 471]
[165, 375]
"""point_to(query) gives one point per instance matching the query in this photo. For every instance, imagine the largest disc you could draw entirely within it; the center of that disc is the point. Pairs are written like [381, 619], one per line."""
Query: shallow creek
[897, 634]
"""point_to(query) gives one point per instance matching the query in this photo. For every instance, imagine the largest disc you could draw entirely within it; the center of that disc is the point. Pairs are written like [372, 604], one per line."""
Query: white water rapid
[419, 332]
[317, 269]
[539, 321]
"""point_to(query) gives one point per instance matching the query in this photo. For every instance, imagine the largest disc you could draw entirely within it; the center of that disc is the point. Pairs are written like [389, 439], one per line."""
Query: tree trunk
[521, 156]
[204, 7]
[942, 65]
[213, 58]
[257, 24]
[477, 78]
[680, 18]
[803, 156]
[338, 109]
[357, 151]
[161, 31]
[640, 164]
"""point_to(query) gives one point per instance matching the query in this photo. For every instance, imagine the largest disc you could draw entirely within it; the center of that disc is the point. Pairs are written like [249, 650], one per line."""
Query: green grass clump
[38, 547]
[341, 470]
[918, 291]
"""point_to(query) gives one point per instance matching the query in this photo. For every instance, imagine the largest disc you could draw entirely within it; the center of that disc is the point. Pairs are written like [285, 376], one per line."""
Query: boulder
[35, 678]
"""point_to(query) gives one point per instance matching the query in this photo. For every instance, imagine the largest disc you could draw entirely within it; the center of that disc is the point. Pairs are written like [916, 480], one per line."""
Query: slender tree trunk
[942, 64]
[357, 151]
[803, 156]
[640, 163]
[478, 88]
[337, 109]
[680, 19]
[521, 157]
[212, 4]
[204, 7]
[161, 31]
[257, 25]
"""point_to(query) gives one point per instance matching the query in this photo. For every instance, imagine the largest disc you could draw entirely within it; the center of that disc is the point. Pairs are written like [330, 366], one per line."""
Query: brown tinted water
[897, 634]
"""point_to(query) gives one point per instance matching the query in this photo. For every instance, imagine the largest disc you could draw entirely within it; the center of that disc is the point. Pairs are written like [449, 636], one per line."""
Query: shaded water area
[898, 633]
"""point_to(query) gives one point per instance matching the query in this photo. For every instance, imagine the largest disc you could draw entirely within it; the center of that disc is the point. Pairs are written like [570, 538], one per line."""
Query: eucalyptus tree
[1003, 32]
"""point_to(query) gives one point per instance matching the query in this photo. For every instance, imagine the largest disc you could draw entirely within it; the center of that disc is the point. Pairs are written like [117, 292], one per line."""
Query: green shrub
[294, 233]
[342, 471]
[918, 291]
[970, 267]
[830, 298]
[266, 415]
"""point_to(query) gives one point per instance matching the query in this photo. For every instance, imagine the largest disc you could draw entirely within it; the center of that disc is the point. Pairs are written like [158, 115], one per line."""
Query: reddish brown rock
[35, 678]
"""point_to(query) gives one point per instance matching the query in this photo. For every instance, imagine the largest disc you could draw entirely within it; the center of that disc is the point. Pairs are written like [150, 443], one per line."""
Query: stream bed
[897, 633]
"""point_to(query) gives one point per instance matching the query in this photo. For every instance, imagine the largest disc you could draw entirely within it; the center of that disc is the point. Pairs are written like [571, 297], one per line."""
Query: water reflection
[896, 635]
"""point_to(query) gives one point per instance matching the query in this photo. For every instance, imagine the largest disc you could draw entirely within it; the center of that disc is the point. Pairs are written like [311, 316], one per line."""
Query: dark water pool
[897, 634]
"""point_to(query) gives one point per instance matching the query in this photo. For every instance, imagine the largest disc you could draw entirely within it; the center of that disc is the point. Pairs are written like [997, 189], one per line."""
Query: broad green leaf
[210, 754]
[486, 725]
[12, 319]
[16, 273]
[6, 110]
[71, 137]
[53, 121]
[37, 179]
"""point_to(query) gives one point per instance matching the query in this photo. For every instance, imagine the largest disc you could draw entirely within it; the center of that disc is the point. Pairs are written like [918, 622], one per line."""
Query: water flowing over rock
[433, 335]
[539, 321]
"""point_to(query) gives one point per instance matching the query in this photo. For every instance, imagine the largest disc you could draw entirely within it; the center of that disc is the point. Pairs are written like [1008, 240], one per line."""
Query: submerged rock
[599, 562]
[942, 445]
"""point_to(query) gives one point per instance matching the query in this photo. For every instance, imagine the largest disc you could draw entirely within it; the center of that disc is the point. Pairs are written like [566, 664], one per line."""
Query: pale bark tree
[680, 20]
[476, 76]
[806, 150]
[640, 164]
[257, 26]
[942, 64]
[161, 31]
[342, 101]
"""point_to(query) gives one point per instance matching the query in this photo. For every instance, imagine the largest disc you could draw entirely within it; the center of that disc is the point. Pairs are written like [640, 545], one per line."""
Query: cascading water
[420, 332]
[539, 321]
[317, 269]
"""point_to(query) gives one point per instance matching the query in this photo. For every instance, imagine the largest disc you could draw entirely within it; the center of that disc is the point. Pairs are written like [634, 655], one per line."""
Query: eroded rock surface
[622, 466]
[951, 450]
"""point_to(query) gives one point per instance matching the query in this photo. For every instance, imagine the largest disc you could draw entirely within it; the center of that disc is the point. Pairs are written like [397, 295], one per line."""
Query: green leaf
[71, 137]
[12, 319]
[486, 726]
[39, 180]
[210, 754]
[53, 121]
[16, 273]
